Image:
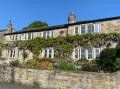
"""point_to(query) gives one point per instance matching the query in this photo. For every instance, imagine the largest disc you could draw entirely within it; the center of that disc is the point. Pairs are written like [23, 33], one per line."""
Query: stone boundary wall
[54, 79]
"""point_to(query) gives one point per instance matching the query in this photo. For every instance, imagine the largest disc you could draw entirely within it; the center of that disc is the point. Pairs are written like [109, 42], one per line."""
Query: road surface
[13, 86]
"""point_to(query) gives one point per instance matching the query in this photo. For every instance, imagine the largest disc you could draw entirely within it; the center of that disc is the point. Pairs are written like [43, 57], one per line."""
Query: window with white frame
[90, 28]
[97, 53]
[48, 52]
[11, 53]
[96, 27]
[13, 37]
[30, 35]
[46, 34]
[88, 53]
[76, 30]
[77, 53]
[83, 28]
[83, 53]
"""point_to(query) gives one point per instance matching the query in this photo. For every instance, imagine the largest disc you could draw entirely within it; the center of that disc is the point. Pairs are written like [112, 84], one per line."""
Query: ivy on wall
[64, 45]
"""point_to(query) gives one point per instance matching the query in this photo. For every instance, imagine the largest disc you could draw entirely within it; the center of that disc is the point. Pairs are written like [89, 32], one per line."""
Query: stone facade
[54, 79]
[104, 26]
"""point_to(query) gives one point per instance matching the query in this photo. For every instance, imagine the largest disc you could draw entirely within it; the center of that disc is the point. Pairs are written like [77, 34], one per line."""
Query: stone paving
[13, 86]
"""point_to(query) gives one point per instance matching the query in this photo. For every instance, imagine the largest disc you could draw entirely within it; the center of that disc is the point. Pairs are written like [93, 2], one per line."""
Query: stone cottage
[73, 27]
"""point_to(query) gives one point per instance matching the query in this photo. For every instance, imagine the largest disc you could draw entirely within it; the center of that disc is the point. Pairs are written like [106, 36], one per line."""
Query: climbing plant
[64, 45]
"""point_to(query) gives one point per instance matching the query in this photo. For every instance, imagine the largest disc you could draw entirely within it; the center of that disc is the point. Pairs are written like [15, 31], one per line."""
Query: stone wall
[61, 80]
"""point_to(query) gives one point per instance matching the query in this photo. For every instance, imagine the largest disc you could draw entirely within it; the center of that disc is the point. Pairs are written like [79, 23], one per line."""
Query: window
[76, 30]
[83, 54]
[82, 29]
[45, 55]
[48, 34]
[90, 28]
[20, 36]
[29, 35]
[97, 51]
[13, 37]
[90, 53]
[44, 34]
[61, 32]
[11, 53]
[51, 34]
[96, 28]
[48, 52]
[76, 53]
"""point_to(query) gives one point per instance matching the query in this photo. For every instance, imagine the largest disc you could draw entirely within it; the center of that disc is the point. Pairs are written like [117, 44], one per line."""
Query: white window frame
[86, 52]
[75, 30]
[81, 29]
[48, 52]
[99, 28]
[91, 27]
[11, 53]
[97, 53]
[47, 34]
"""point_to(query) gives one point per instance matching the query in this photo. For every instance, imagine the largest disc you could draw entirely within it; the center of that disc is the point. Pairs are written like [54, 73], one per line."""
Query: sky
[54, 12]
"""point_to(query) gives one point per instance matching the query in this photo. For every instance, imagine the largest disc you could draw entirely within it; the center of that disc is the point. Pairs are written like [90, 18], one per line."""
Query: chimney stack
[9, 26]
[71, 17]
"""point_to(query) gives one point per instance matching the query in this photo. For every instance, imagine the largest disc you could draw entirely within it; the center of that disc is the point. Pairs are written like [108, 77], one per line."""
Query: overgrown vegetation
[15, 63]
[63, 47]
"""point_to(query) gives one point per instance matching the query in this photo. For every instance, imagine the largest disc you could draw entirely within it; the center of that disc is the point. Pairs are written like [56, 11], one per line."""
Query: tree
[36, 24]
[107, 58]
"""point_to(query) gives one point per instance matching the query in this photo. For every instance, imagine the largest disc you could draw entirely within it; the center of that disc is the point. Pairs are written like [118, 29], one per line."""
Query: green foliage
[64, 65]
[15, 63]
[64, 50]
[107, 58]
[33, 63]
[90, 67]
[36, 84]
[36, 52]
[116, 64]
[36, 24]
[25, 55]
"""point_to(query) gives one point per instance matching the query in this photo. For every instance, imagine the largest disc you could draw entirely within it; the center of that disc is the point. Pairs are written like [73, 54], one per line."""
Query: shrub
[33, 63]
[15, 63]
[90, 67]
[107, 58]
[66, 66]
[116, 65]
[25, 55]
[45, 65]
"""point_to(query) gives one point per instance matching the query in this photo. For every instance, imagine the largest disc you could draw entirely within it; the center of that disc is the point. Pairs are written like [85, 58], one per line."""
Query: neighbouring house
[9, 29]
[73, 27]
